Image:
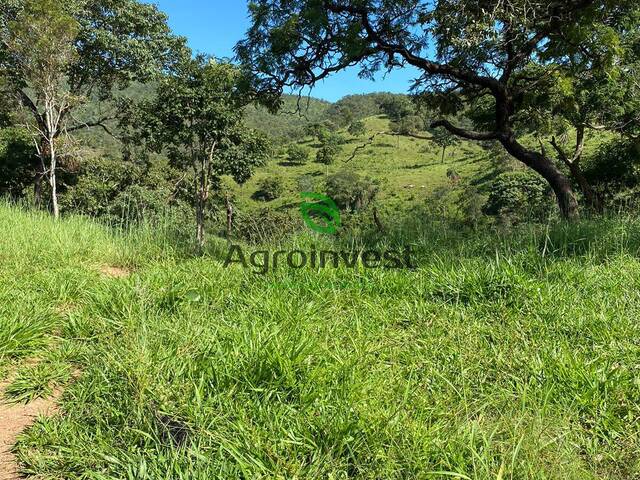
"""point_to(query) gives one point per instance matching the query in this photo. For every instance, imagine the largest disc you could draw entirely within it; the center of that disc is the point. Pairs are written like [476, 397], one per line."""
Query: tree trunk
[376, 220]
[444, 152]
[229, 207]
[44, 156]
[549, 171]
[37, 186]
[591, 197]
[53, 181]
[200, 230]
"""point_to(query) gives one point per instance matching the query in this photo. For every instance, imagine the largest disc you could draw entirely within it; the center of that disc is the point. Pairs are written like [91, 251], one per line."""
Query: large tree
[589, 89]
[197, 117]
[466, 51]
[57, 56]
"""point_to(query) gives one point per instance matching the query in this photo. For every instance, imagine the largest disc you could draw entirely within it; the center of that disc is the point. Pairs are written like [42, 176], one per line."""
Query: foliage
[120, 191]
[55, 56]
[291, 122]
[271, 187]
[397, 107]
[518, 197]
[614, 171]
[327, 153]
[351, 191]
[357, 128]
[466, 53]
[407, 125]
[197, 117]
[297, 154]
[444, 139]
[17, 162]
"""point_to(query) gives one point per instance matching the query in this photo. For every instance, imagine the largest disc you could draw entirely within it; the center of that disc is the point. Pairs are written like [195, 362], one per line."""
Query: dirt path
[14, 418]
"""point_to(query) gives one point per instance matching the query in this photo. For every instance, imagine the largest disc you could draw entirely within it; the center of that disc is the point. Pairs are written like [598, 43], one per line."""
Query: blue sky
[214, 27]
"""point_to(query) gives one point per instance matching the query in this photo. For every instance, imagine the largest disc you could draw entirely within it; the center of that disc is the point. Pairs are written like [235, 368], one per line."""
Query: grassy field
[498, 357]
[408, 169]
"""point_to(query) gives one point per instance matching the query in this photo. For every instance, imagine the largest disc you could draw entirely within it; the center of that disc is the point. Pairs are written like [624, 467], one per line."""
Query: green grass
[408, 169]
[501, 356]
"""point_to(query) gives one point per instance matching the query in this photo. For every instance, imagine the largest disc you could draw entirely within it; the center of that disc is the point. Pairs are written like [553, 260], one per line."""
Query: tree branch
[468, 134]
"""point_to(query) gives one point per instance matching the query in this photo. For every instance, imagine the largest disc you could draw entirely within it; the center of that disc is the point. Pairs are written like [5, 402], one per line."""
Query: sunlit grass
[503, 355]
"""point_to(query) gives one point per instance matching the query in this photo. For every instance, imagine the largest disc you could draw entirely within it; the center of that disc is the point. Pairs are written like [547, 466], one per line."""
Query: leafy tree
[55, 56]
[297, 154]
[397, 107]
[357, 128]
[409, 125]
[574, 99]
[197, 117]
[468, 51]
[327, 153]
[444, 139]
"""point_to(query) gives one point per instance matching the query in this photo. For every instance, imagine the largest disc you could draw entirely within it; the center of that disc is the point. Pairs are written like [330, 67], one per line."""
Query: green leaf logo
[320, 213]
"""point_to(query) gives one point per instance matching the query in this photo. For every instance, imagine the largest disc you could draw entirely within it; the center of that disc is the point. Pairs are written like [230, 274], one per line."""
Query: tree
[444, 139]
[327, 153]
[197, 117]
[589, 90]
[55, 56]
[397, 107]
[351, 191]
[467, 51]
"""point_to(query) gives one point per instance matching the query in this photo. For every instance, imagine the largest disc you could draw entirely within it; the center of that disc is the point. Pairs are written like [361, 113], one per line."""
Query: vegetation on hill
[434, 285]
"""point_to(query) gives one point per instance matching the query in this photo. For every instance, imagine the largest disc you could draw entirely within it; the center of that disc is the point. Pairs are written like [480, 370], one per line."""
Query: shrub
[270, 188]
[351, 191]
[358, 128]
[119, 190]
[614, 171]
[327, 153]
[306, 183]
[17, 162]
[519, 196]
[266, 225]
[407, 125]
[297, 154]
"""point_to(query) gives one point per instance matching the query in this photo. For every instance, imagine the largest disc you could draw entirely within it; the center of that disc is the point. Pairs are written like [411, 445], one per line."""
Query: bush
[297, 154]
[351, 191]
[358, 128]
[17, 162]
[121, 191]
[614, 171]
[407, 125]
[306, 183]
[270, 188]
[519, 196]
[327, 153]
[266, 225]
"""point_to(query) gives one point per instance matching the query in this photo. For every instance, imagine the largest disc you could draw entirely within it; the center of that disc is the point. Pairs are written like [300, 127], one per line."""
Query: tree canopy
[467, 51]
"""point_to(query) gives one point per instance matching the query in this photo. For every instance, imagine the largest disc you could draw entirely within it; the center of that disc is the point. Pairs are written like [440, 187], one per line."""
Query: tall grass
[502, 355]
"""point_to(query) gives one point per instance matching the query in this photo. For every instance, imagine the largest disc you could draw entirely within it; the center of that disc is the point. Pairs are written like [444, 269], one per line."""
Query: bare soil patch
[114, 272]
[14, 419]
